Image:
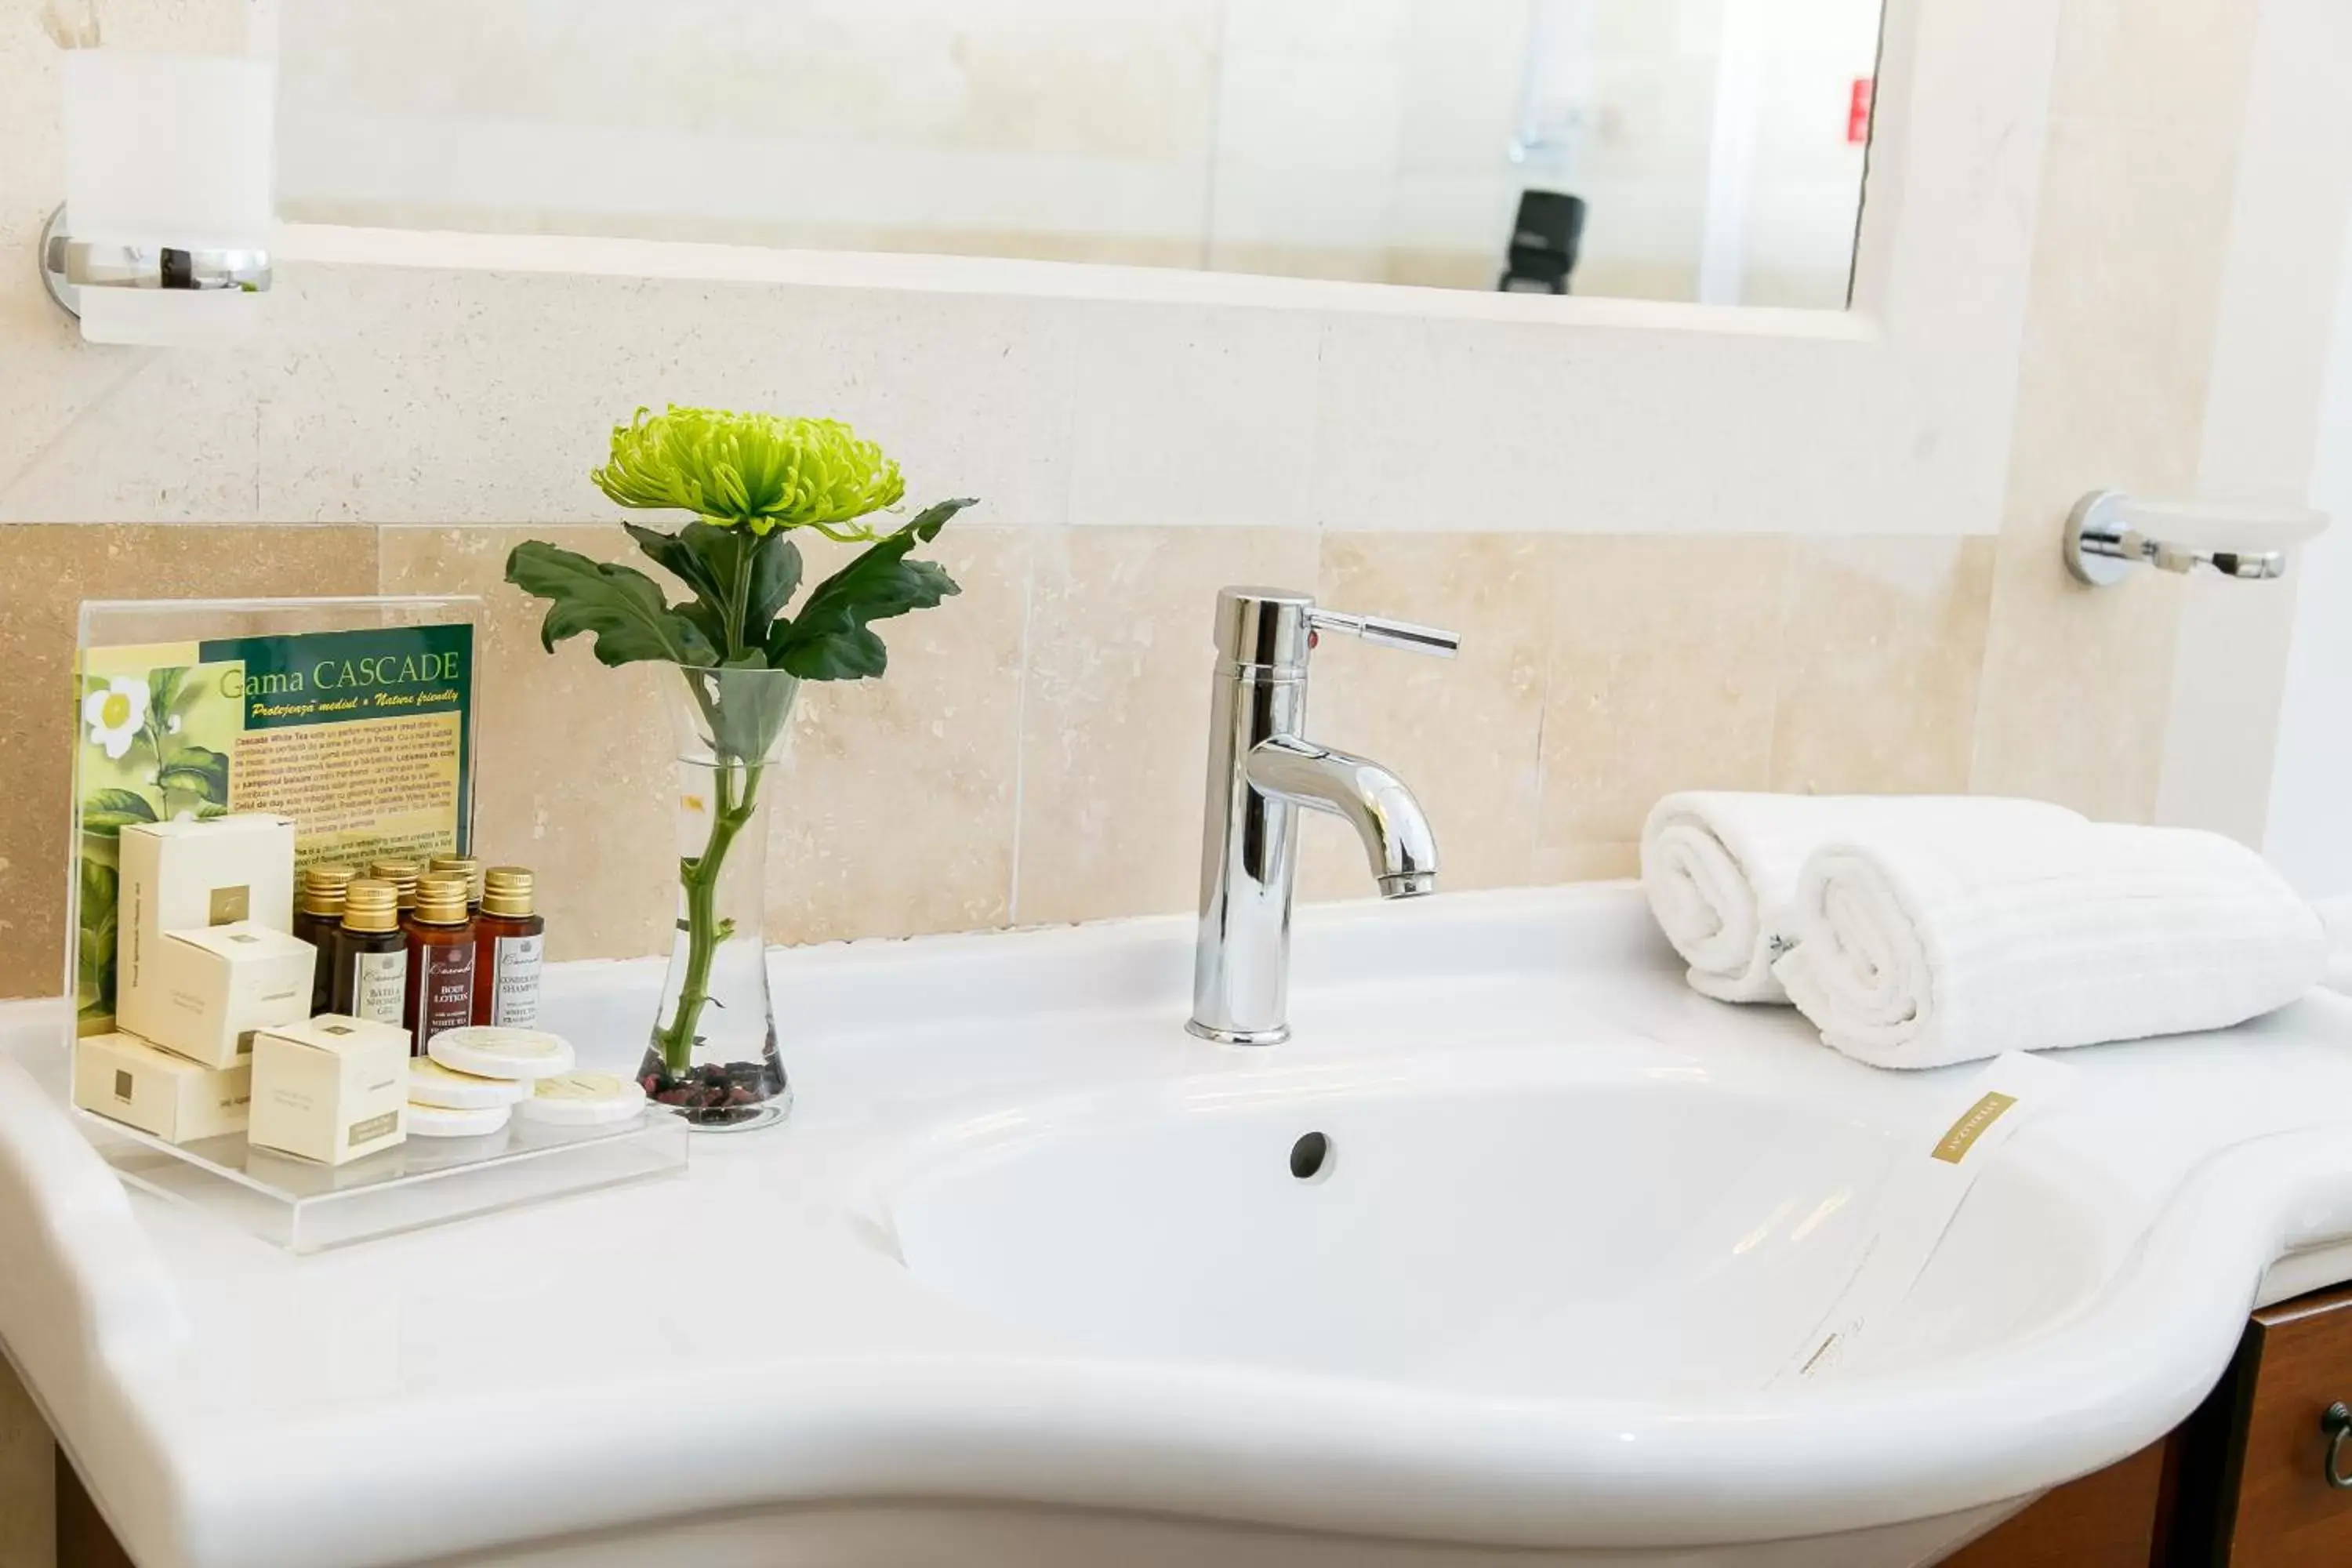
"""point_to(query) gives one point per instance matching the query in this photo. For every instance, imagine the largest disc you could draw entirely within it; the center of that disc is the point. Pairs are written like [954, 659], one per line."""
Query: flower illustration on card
[154, 746]
[116, 714]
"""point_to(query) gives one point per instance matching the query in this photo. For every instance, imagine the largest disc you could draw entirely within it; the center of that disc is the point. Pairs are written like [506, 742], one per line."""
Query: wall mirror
[1684, 150]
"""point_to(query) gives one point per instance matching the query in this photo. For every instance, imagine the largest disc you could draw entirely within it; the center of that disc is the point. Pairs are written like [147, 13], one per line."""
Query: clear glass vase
[712, 1058]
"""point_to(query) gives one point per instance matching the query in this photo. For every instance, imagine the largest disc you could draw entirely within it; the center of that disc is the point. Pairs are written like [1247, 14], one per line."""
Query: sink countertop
[747, 1335]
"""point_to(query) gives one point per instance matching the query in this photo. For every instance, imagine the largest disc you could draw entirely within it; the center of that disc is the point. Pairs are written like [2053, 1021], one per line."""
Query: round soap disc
[489, 1050]
[430, 1083]
[583, 1100]
[442, 1122]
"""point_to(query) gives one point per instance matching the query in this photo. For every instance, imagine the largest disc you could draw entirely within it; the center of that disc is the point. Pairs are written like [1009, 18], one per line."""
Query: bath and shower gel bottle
[371, 954]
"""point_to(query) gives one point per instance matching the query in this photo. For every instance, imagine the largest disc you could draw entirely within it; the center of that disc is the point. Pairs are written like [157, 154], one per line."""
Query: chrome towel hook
[2108, 534]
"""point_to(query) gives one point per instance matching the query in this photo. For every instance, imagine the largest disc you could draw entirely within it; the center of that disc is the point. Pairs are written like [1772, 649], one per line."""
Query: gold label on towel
[1970, 1127]
[230, 904]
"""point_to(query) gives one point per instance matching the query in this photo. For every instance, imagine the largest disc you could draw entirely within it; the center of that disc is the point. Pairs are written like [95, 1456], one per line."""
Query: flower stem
[735, 789]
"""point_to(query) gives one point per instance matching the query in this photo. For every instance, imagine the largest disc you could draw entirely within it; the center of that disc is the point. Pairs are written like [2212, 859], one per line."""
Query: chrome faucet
[1262, 769]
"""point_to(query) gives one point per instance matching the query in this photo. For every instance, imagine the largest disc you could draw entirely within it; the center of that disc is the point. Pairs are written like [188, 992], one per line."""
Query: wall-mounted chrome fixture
[168, 161]
[2109, 533]
[68, 265]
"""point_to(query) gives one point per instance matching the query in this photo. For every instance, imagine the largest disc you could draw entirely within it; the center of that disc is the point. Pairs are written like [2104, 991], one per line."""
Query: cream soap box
[329, 1089]
[188, 876]
[205, 991]
[124, 1079]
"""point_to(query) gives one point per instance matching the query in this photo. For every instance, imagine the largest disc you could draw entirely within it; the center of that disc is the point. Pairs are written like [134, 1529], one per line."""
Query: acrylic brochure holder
[304, 1206]
[356, 718]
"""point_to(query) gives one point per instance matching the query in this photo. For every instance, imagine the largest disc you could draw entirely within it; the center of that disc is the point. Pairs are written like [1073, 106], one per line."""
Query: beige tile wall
[1036, 756]
[1037, 752]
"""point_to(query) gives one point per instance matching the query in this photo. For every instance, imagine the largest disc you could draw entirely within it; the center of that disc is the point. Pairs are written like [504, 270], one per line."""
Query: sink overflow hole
[1309, 1155]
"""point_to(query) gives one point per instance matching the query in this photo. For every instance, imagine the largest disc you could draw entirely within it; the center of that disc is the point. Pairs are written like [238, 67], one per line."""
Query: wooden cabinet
[2110, 1520]
[2253, 1489]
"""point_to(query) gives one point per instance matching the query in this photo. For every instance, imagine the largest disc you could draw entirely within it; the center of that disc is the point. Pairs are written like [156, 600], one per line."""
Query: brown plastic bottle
[440, 960]
[317, 915]
[507, 942]
[371, 954]
[402, 873]
[464, 865]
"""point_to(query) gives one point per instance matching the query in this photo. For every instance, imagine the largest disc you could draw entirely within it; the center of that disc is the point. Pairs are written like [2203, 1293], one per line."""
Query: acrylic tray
[304, 1206]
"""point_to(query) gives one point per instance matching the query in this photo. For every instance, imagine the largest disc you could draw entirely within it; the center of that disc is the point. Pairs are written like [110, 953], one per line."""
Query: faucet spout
[1263, 771]
[1367, 796]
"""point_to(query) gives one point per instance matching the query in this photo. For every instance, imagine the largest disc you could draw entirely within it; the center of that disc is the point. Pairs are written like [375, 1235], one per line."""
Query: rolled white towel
[1720, 866]
[1915, 952]
[2335, 919]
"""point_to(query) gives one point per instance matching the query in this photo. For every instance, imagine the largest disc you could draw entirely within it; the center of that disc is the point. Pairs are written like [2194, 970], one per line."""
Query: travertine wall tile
[1664, 674]
[468, 412]
[1464, 733]
[51, 378]
[2111, 394]
[1881, 644]
[50, 569]
[1114, 736]
[893, 814]
[896, 815]
[573, 773]
[2183, 63]
[1185, 449]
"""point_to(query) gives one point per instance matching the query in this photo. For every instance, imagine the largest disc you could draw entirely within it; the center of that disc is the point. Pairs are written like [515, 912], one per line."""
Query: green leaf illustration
[829, 639]
[618, 606]
[108, 811]
[198, 770]
[95, 939]
[163, 689]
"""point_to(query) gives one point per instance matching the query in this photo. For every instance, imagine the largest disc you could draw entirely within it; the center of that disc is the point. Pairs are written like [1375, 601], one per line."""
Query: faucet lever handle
[1379, 629]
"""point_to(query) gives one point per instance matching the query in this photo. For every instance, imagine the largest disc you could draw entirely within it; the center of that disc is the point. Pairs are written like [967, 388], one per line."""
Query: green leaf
[710, 623]
[829, 639]
[674, 554]
[199, 772]
[108, 811]
[775, 578]
[618, 606]
[728, 569]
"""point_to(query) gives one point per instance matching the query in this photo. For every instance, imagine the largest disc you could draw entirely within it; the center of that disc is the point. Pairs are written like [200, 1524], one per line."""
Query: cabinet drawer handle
[2335, 1420]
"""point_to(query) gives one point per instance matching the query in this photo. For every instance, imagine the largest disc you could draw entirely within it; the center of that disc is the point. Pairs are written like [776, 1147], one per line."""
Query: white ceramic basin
[1498, 1225]
[1027, 1282]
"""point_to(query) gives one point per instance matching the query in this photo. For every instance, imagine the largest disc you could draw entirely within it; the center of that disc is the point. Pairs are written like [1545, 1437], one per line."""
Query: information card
[363, 738]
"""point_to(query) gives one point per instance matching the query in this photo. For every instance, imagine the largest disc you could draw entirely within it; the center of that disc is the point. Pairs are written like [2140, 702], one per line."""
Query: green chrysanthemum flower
[756, 471]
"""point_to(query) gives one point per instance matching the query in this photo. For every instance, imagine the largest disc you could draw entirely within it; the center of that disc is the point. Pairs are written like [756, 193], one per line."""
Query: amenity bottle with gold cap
[465, 865]
[318, 914]
[509, 937]
[440, 960]
[371, 954]
[402, 873]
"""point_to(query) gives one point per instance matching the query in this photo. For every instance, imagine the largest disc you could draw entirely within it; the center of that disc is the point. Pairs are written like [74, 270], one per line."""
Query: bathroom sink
[1493, 1225]
[1502, 1260]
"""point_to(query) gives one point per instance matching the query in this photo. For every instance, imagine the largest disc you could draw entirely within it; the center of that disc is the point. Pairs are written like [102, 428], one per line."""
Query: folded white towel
[1720, 866]
[1914, 952]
